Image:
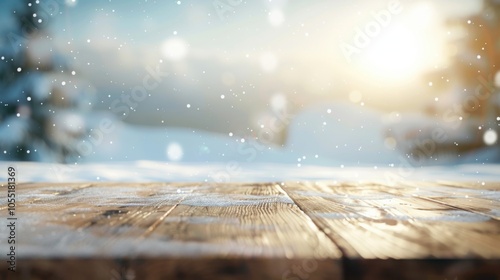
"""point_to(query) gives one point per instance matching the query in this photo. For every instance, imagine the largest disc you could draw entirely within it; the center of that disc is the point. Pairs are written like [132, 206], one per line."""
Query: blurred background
[359, 82]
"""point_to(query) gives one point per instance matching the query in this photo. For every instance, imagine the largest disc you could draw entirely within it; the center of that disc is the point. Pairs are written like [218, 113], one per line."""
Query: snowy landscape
[260, 139]
[95, 97]
[185, 155]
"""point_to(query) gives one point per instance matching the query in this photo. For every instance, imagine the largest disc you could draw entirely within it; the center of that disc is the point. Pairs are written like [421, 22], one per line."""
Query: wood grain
[371, 220]
[291, 231]
[222, 231]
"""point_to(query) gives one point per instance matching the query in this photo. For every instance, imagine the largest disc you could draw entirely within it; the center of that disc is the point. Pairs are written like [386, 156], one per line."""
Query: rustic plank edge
[417, 269]
[173, 268]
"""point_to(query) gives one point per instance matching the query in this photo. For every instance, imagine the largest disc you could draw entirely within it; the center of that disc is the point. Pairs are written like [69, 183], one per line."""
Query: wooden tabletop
[299, 230]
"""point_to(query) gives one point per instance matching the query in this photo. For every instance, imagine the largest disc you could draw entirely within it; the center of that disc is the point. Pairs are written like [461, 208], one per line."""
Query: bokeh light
[175, 152]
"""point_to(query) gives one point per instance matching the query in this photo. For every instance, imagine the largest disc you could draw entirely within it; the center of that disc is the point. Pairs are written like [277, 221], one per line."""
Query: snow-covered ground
[326, 142]
[151, 171]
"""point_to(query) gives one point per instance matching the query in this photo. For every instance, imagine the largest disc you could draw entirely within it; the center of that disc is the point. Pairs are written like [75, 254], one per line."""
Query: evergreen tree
[476, 70]
[41, 105]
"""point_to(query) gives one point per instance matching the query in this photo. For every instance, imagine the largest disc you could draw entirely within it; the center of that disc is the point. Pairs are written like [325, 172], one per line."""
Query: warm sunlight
[174, 49]
[396, 54]
[407, 47]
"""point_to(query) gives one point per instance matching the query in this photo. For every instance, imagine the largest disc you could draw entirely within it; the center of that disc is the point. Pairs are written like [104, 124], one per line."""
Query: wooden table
[299, 230]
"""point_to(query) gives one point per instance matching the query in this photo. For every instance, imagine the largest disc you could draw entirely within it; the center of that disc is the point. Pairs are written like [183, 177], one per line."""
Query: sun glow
[406, 47]
[174, 49]
[395, 54]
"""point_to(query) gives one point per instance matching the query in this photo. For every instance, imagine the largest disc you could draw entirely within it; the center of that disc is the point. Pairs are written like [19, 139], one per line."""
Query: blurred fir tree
[41, 103]
[474, 74]
[465, 123]
[476, 65]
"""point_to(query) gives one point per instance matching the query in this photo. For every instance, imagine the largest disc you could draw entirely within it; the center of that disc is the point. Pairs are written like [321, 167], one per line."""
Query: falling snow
[273, 90]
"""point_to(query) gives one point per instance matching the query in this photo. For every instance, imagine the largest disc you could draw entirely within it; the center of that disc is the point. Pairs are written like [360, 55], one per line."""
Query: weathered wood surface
[207, 231]
[412, 230]
[407, 221]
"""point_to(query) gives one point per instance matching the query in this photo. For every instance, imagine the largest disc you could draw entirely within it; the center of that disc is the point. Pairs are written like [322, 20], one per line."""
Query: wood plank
[474, 198]
[376, 221]
[163, 228]
[481, 197]
[391, 233]
[414, 230]
[481, 186]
